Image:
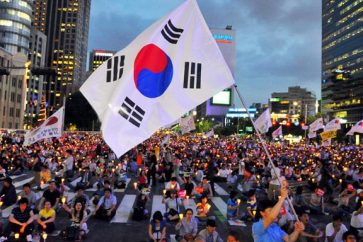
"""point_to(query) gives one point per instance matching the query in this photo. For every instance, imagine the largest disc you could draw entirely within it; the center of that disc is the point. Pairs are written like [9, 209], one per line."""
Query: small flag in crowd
[263, 122]
[169, 69]
[187, 124]
[333, 125]
[209, 133]
[52, 127]
[277, 133]
[357, 128]
[165, 140]
[311, 135]
[316, 125]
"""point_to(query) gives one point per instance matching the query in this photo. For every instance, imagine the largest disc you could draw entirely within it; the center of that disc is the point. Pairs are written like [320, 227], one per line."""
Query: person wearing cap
[8, 193]
[266, 229]
[210, 234]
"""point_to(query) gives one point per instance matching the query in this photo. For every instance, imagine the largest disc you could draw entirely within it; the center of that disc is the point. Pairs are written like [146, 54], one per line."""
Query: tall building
[97, 57]
[292, 105]
[66, 25]
[15, 25]
[36, 56]
[342, 59]
[12, 89]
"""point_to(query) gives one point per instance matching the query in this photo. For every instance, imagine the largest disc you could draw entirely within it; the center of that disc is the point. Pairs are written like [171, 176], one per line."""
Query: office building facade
[12, 89]
[97, 57]
[66, 25]
[290, 106]
[15, 25]
[342, 60]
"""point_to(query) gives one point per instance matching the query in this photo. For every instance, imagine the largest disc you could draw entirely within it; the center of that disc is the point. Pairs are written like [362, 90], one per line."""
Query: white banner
[187, 124]
[311, 135]
[209, 133]
[277, 133]
[263, 122]
[52, 127]
[316, 125]
[357, 128]
[169, 69]
[333, 125]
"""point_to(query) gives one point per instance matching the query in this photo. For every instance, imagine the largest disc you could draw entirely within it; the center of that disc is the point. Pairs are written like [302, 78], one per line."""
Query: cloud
[278, 41]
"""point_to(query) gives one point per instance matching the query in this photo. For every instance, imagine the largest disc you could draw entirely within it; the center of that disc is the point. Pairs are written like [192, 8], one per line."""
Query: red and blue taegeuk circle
[153, 71]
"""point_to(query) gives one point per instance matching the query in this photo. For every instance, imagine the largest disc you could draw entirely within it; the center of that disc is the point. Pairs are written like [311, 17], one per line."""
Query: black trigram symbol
[192, 75]
[131, 112]
[171, 33]
[115, 68]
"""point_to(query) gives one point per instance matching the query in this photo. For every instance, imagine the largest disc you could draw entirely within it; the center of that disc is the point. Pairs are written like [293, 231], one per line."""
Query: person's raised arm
[276, 209]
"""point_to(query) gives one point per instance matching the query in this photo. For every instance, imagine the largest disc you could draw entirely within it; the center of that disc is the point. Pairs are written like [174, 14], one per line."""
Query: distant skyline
[278, 42]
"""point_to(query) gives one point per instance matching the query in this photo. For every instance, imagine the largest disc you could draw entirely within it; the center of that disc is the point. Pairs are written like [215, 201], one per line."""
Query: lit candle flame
[16, 236]
[44, 236]
[63, 199]
[181, 216]
[135, 185]
[164, 191]
[238, 201]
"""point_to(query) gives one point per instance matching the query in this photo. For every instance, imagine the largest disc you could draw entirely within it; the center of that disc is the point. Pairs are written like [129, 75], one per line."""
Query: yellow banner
[328, 134]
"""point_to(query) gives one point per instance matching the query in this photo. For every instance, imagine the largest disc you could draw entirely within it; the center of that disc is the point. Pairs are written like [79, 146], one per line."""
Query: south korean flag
[169, 69]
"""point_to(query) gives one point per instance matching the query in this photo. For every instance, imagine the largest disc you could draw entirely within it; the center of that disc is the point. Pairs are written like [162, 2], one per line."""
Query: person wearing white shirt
[69, 163]
[356, 222]
[334, 231]
[106, 207]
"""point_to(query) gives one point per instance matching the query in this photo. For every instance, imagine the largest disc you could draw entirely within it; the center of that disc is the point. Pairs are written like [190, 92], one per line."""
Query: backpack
[70, 233]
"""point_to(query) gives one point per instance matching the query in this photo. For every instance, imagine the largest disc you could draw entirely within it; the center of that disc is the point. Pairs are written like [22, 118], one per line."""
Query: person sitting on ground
[188, 186]
[45, 175]
[29, 194]
[203, 209]
[233, 236]
[187, 227]
[85, 178]
[52, 195]
[172, 185]
[207, 188]
[2, 173]
[311, 233]
[106, 207]
[46, 218]
[80, 197]
[140, 211]
[251, 206]
[266, 229]
[356, 221]
[173, 206]
[157, 228]
[299, 201]
[210, 234]
[349, 236]
[232, 206]
[334, 231]
[78, 218]
[21, 220]
[8, 193]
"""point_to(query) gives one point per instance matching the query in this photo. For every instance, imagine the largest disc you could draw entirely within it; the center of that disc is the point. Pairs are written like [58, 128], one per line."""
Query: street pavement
[123, 228]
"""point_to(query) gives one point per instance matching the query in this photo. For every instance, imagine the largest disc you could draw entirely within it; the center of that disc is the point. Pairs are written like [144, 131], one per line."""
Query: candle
[254, 212]
[62, 180]
[113, 170]
[44, 236]
[164, 191]
[63, 199]
[1, 203]
[19, 197]
[187, 197]
[16, 236]
[340, 180]
[135, 185]
[238, 201]
[181, 216]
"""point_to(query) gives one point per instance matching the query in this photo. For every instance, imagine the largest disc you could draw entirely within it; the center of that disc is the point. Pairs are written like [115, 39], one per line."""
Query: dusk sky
[278, 41]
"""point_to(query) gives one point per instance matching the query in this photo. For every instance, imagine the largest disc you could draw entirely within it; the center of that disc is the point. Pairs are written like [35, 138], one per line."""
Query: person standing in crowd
[211, 173]
[69, 163]
[266, 230]
[8, 193]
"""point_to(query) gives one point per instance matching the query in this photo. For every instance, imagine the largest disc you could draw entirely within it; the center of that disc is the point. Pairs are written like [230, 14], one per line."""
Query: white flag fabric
[357, 128]
[165, 140]
[169, 69]
[333, 125]
[311, 135]
[187, 124]
[316, 125]
[209, 133]
[52, 127]
[277, 133]
[263, 122]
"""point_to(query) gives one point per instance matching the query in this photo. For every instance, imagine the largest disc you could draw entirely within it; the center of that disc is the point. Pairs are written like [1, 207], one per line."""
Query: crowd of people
[317, 180]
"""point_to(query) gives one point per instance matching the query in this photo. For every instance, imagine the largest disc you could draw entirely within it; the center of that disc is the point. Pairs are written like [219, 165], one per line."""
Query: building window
[12, 97]
[10, 125]
[17, 113]
[18, 99]
[11, 112]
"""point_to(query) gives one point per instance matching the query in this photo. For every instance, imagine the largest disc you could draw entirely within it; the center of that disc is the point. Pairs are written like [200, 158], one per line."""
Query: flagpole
[265, 148]
[64, 112]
